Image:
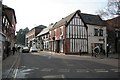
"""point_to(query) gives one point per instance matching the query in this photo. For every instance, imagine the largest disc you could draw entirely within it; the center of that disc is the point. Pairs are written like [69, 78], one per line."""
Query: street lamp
[116, 39]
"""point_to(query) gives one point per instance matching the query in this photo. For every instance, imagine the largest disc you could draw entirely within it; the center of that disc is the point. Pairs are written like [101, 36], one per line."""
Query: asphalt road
[49, 65]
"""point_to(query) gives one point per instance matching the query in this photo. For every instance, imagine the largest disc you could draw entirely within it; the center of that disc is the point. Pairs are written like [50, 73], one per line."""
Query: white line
[49, 57]
[16, 73]
[53, 76]
[17, 67]
[115, 70]
[63, 76]
[70, 65]
[101, 71]
[47, 69]
[98, 69]
[82, 70]
[64, 70]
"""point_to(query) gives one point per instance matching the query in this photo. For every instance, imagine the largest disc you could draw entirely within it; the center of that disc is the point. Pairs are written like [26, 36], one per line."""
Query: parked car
[33, 49]
[25, 50]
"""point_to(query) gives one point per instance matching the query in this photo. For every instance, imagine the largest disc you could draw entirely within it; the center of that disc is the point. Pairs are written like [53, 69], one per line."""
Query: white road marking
[16, 70]
[115, 70]
[35, 53]
[62, 76]
[49, 57]
[70, 65]
[63, 70]
[101, 70]
[16, 73]
[54, 76]
[82, 70]
[47, 69]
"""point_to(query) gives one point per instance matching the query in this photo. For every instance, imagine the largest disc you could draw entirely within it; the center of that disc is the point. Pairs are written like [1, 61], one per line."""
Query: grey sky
[30, 13]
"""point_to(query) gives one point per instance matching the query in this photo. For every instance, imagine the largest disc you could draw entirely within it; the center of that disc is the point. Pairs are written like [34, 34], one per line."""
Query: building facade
[31, 35]
[8, 29]
[72, 34]
[96, 31]
[113, 31]
[43, 38]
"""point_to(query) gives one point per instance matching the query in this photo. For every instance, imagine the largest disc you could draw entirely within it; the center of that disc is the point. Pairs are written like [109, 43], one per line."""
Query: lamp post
[116, 39]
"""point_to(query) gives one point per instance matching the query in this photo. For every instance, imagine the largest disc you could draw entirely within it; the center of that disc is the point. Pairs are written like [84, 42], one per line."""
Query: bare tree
[112, 9]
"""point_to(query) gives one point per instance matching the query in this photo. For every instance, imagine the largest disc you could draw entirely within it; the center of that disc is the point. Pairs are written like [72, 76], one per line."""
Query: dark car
[25, 50]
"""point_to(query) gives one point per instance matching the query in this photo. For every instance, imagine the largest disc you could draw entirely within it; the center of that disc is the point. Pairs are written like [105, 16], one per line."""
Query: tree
[112, 9]
[21, 36]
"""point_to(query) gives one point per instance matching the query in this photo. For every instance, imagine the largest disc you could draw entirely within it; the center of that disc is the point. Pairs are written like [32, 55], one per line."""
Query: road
[50, 65]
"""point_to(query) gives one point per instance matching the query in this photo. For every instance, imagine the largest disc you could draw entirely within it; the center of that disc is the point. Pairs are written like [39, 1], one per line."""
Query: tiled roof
[40, 26]
[87, 18]
[115, 22]
[92, 19]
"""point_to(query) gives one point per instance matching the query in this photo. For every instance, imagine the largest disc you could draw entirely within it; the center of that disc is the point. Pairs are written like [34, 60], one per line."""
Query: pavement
[110, 56]
[112, 59]
[8, 65]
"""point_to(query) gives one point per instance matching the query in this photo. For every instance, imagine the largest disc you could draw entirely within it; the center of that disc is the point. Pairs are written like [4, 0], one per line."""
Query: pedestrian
[107, 50]
[96, 50]
[92, 52]
[18, 49]
[13, 49]
[80, 52]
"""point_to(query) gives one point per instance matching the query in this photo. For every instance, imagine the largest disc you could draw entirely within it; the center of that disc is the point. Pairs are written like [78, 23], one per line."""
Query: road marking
[16, 73]
[49, 57]
[47, 69]
[115, 70]
[54, 76]
[63, 70]
[70, 65]
[101, 70]
[82, 70]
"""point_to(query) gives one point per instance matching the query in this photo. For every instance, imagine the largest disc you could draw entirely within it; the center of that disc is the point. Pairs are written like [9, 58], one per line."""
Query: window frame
[96, 31]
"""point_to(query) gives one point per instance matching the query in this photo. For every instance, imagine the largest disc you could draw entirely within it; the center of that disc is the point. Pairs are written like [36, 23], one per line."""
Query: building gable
[65, 21]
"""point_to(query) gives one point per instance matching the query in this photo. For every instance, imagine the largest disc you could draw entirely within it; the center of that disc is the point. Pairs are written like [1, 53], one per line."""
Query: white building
[43, 38]
[96, 31]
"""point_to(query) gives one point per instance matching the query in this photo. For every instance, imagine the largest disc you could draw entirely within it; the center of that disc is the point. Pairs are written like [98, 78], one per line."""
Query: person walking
[13, 49]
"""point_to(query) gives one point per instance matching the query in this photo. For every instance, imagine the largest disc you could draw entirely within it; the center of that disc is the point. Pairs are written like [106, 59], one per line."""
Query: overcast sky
[31, 13]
